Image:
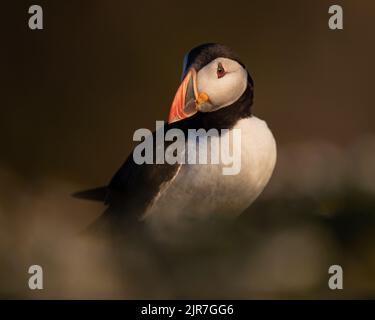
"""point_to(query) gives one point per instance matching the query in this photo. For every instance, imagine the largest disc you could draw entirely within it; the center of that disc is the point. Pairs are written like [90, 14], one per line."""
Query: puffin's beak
[187, 99]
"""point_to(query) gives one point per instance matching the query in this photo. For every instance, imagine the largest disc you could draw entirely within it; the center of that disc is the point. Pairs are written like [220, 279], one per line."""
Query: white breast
[201, 190]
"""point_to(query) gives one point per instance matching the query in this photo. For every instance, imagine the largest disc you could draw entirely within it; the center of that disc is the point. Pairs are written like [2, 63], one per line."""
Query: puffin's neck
[227, 117]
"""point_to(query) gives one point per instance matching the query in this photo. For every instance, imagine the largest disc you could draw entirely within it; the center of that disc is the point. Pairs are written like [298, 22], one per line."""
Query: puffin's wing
[96, 194]
[134, 186]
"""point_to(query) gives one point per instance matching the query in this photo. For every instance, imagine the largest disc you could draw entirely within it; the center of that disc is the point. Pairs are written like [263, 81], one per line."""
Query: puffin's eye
[220, 70]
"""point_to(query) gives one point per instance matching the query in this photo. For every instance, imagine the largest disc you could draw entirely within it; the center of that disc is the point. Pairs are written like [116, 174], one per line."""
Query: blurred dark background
[73, 94]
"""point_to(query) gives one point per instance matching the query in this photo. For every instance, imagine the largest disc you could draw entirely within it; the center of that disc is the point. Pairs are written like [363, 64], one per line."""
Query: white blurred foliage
[316, 168]
[289, 261]
[39, 221]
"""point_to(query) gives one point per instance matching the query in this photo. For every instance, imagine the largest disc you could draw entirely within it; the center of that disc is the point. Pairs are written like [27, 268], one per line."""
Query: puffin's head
[212, 78]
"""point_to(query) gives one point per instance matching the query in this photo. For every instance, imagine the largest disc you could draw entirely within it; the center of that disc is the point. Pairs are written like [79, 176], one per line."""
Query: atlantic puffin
[216, 92]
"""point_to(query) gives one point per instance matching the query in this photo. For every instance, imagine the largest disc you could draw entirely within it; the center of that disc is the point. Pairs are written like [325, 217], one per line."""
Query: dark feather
[96, 194]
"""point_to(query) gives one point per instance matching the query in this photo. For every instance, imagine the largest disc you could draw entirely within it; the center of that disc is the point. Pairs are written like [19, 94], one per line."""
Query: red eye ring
[220, 71]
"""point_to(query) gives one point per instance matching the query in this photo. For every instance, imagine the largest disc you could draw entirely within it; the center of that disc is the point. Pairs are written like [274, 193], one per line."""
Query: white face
[224, 81]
